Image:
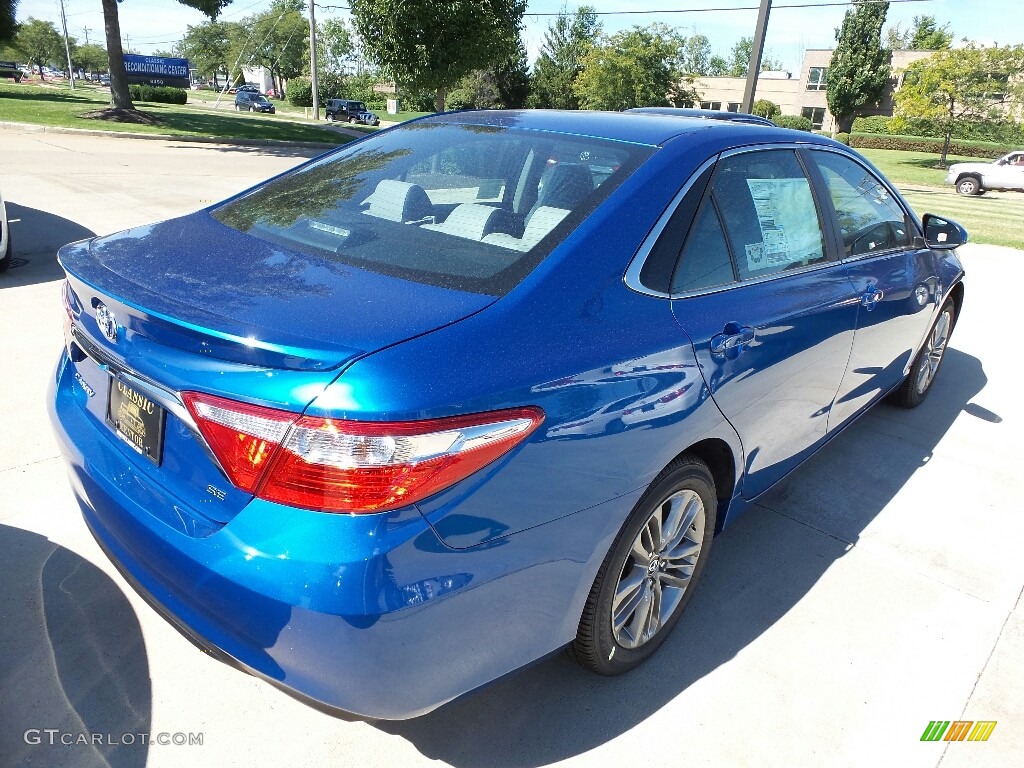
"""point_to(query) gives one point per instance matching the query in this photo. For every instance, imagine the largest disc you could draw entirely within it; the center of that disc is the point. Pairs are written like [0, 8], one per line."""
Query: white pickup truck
[1006, 173]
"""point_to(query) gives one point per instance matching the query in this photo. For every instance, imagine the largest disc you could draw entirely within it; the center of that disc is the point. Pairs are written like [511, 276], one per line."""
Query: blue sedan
[481, 387]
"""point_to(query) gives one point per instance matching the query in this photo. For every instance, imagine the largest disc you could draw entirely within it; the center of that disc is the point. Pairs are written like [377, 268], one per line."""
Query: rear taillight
[352, 466]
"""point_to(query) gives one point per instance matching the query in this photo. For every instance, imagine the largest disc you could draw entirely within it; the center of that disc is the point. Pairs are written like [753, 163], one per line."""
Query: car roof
[707, 114]
[649, 128]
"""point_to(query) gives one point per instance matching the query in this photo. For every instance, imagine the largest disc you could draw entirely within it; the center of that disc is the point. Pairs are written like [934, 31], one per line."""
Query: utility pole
[756, 52]
[67, 45]
[86, 31]
[312, 61]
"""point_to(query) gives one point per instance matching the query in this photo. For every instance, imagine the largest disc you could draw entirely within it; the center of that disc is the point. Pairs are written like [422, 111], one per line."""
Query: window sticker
[789, 224]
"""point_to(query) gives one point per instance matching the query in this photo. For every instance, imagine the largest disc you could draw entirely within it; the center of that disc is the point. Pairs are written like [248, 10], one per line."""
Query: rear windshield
[461, 206]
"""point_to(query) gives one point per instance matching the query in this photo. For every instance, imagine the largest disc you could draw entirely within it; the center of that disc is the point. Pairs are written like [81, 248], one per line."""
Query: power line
[736, 8]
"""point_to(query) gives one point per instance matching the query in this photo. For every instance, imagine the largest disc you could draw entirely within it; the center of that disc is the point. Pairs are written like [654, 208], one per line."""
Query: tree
[207, 46]
[120, 98]
[567, 40]
[964, 84]
[717, 67]
[91, 57]
[929, 36]
[427, 44]
[40, 42]
[276, 39]
[634, 68]
[8, 20]
[695, 57]
[859, 70]
[334, 45]
[739, 59]
[924, 34]
[505, 86]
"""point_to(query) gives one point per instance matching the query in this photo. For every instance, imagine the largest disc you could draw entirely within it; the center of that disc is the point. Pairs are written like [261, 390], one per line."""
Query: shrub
[986, 149]
[766, 109]
[1000, 132]
[329, 86]
[159, 94]
[843, 138]
[796, 122]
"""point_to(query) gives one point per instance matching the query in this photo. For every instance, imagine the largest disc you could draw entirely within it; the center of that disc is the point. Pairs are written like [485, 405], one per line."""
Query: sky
[151, 25]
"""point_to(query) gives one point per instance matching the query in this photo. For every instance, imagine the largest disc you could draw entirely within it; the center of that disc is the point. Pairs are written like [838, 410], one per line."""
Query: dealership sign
[156, 70]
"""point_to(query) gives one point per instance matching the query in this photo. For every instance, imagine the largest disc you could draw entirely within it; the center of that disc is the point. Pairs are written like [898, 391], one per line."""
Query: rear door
[768, 307]
[895, 282]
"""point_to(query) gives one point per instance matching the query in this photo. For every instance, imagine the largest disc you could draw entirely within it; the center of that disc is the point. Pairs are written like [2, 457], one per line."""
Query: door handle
[870, 297]
[734, 337]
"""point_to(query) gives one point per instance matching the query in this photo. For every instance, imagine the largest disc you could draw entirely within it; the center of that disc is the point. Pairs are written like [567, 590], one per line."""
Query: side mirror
[942, 234]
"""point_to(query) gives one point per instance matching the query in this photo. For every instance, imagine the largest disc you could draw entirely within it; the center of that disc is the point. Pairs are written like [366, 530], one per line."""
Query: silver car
[1006, 173]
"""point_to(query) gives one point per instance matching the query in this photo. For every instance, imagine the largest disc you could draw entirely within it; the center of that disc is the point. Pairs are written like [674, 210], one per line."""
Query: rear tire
[918, 384]
[650, 574]
[969, 186]
[5, 261]
[352, 121]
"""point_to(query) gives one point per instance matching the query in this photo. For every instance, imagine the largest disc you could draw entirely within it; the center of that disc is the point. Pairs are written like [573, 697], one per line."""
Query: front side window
[768, 212]
[870, 220]
[816, 78]
[472, 207]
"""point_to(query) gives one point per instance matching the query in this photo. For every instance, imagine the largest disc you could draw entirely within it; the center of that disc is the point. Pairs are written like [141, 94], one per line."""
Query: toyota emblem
[106, 322]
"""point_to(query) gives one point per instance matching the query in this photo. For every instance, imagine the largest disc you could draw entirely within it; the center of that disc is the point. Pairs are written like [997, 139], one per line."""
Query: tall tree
[120, 98]
[638, 67]
[859, 70]
[566, 42]
[929, 36]
[91, 57]
[40, 42]
[334, 45]
[8, 23]
[276, 39]
[505, 86]
[739, 58]
[695, 57]
[428, 44]
[207, 46]
[962, 84]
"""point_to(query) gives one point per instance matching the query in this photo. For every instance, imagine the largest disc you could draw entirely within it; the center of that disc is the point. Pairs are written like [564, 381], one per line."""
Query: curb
[33, 128]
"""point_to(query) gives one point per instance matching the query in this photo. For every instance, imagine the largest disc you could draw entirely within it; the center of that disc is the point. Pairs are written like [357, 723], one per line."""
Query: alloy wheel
[934, 350]
[658, 569]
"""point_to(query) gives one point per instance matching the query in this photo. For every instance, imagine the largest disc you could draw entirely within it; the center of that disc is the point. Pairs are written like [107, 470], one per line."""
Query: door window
[768, 213]
[870, 220]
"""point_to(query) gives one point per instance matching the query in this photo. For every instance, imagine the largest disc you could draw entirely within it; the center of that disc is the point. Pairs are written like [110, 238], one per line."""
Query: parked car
[247, 88]
[6, 246]
[349, 111]
[253, 102]
[1006, 173]
[105, 79]
[425, 409]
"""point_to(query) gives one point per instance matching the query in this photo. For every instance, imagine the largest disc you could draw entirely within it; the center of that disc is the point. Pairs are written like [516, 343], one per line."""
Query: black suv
[253, 102]
[350, 111]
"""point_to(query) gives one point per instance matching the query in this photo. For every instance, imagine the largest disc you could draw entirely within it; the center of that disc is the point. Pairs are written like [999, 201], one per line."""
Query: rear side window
[870, 220]
[705, 261]
[461, 206]
[768, 213]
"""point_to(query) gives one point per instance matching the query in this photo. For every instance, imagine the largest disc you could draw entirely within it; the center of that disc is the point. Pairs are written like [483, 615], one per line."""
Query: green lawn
[58, 105]
[995, 217]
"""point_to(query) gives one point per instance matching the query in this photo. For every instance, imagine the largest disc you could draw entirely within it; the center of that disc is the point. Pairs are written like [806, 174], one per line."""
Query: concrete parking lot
[876, 589]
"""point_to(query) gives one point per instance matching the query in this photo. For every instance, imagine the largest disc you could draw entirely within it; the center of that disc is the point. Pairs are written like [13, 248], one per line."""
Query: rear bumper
[369, 614]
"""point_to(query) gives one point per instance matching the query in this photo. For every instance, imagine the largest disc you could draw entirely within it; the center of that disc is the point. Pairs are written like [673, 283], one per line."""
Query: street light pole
[757, 50]
[312, 62]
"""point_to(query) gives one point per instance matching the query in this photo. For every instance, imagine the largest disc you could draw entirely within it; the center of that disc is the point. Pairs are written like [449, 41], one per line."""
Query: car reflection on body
[405, 388]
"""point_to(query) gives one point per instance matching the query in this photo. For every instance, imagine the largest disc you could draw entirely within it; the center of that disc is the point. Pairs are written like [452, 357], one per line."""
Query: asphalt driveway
[876, 589]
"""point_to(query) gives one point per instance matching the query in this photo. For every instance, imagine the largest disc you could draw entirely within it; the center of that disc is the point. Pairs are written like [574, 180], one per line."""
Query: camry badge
[106, 322]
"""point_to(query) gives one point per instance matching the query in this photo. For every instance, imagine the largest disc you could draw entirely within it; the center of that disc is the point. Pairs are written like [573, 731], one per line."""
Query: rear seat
[542, 220]
[469, 220]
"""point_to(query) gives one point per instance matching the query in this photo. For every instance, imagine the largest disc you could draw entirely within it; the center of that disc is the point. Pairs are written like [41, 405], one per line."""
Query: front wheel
[969, 186]
[918, 384]
[649, 575]
[5, 260]
[351, 121]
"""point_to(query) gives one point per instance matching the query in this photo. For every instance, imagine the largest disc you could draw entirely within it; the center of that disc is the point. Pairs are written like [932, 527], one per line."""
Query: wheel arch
[719, 456]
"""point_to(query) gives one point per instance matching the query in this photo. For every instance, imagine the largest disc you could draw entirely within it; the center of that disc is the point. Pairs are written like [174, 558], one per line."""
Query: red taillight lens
[352, 466]
[243, 437]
